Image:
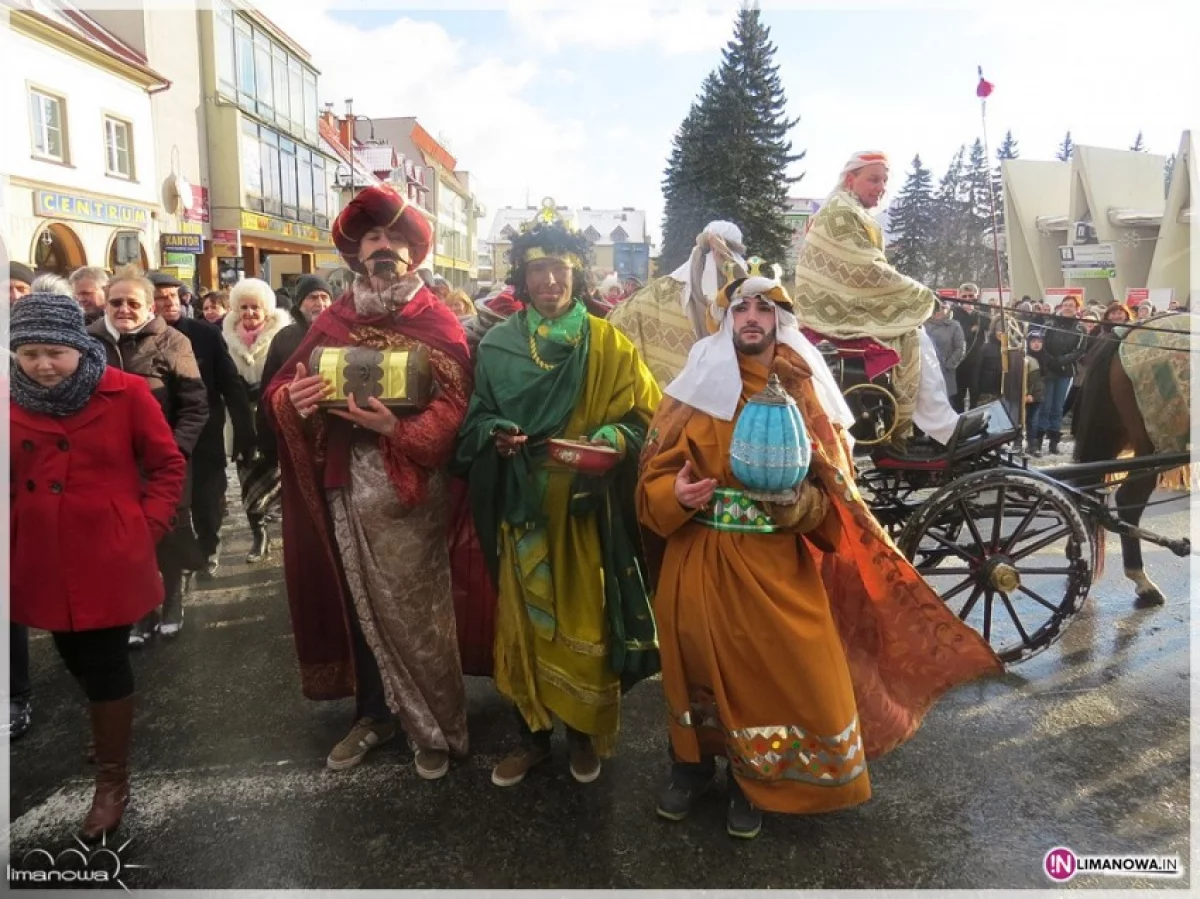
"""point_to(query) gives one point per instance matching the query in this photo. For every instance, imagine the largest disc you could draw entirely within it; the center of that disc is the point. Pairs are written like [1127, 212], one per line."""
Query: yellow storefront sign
[52, 204]
[256, 221]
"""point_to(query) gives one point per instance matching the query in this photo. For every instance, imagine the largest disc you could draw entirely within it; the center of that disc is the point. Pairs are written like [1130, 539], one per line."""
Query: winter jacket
[90, 495]
[991, 368]
[1064, 343]
[1033, 380]
[250, 360]
[225, 391]
[285, 343]
[951, 347]
[974, 328]
[164, 357]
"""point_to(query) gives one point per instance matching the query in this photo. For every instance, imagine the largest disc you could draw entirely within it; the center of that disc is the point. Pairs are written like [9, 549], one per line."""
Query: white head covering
[861, 160]
[711, 381]
[710, 280]
[610, 281]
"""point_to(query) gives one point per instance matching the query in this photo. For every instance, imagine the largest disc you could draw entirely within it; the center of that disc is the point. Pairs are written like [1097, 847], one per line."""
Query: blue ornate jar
[771, 451]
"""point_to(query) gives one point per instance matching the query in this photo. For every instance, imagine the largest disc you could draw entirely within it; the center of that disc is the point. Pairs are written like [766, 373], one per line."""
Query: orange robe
[799, 657]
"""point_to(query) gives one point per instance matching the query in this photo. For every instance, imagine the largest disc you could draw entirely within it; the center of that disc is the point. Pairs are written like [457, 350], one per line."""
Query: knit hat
[47, 318]
[309, 284]
[19, 271]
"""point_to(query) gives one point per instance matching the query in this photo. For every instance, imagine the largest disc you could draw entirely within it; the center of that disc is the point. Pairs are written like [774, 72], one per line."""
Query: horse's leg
[1131, 497]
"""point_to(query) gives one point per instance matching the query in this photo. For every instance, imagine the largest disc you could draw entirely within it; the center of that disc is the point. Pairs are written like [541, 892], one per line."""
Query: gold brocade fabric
[397, 567]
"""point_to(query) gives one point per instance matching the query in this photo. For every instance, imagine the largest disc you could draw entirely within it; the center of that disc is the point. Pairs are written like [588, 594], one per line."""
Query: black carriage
[1012, 550]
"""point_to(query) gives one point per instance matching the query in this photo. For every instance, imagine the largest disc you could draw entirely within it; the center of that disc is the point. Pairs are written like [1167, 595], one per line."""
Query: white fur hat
[255, 288]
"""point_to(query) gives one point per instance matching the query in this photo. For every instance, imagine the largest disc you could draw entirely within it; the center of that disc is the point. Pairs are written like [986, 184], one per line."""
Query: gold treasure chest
[400, 379]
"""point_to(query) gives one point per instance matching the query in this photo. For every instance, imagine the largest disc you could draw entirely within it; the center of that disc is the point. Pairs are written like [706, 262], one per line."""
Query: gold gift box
[400, 379]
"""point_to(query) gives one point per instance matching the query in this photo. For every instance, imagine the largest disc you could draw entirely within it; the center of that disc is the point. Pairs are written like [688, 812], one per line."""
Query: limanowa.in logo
[1062, 864]
[98, 866]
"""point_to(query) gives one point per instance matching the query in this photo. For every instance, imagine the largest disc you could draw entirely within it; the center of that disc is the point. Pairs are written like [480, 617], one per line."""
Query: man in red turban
[366, 501]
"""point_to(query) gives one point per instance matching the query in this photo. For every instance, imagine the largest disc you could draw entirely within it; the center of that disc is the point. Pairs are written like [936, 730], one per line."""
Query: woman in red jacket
[95, 479]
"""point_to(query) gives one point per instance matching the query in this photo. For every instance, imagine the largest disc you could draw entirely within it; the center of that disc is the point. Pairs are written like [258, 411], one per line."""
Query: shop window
[331, 192]
[118, 147]
[48, 124]
[127, 248]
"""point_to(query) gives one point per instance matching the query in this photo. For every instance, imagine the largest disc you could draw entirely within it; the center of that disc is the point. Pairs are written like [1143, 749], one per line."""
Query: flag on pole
[984, 88]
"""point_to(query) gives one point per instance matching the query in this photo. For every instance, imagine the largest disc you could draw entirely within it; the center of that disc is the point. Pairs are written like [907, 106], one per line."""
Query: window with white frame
[118, 147]
[47, 121]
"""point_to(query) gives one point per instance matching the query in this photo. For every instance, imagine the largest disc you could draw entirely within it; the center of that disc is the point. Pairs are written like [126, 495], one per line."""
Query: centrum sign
[95, 866]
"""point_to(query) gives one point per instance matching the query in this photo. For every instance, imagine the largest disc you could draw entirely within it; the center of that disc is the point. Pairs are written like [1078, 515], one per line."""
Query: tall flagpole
[983, 90]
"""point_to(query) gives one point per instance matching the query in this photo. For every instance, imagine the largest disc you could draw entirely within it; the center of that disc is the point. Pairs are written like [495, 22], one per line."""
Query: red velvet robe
[314, 456]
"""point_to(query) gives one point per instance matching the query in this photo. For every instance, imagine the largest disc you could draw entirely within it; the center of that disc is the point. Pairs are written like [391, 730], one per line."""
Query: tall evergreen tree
[914, 224]
[952, 212]
[980, 259]
[1138, 145]
[1008, 150]
[1066, 149]
[1168, 174]
[731, 154]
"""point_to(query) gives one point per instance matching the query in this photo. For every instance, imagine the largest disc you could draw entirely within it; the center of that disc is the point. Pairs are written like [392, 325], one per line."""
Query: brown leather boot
[112, 724]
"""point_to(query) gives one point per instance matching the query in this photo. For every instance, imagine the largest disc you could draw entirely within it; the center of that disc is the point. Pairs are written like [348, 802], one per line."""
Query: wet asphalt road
[1086, 746]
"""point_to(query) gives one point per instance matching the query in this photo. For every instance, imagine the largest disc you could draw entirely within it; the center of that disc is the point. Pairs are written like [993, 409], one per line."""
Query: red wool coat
[90, 496]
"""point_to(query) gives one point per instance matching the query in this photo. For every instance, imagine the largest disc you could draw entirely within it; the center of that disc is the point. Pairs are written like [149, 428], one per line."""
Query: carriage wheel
[874, 411]
[1009, 553]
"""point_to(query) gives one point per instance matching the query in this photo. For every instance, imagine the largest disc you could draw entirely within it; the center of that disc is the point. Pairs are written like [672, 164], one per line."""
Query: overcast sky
[579, 101]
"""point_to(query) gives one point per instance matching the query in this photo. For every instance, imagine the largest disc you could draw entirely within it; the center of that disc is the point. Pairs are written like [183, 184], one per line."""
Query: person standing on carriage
[790, 631]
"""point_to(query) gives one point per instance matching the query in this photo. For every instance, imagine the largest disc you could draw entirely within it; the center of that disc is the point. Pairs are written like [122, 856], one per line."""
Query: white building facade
[82, 180]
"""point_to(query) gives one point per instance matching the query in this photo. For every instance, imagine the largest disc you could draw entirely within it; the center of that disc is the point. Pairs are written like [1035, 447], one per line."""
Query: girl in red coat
[96, 477]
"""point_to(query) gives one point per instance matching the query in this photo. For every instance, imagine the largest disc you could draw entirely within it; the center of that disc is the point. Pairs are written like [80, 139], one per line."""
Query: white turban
[711, 381]
[861, 160]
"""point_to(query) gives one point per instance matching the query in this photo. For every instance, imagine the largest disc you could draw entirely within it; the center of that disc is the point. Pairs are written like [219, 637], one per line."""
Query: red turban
[380, 206]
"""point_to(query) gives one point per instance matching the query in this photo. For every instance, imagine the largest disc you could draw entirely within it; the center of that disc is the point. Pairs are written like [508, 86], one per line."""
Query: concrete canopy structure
[1170, 266]
[1099, 222]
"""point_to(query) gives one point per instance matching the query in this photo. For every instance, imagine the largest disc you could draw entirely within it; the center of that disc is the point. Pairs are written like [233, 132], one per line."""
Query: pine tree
[731, 154]
[1008, 150]
[952, 211]
[1138, 145]
[914, 224]
[1066, 149]
[980, 259]
[1168, 174]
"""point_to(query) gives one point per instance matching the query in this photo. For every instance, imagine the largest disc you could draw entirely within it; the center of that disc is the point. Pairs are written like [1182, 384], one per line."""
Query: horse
[1108, 421]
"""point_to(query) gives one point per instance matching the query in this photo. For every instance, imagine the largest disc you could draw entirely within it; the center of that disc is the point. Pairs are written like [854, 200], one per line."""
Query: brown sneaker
[585, 764]
[363, 737]
[432, 763]
[514, 766]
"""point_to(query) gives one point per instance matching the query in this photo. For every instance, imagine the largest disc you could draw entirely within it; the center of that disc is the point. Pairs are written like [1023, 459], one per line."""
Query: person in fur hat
[251, 325]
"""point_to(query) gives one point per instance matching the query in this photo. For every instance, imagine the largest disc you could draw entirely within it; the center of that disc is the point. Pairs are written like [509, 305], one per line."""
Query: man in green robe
[573, 621]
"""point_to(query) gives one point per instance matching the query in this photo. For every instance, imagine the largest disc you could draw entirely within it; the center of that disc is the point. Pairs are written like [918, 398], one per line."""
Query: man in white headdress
[667, 316]
[845, 288]
[787, 630]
